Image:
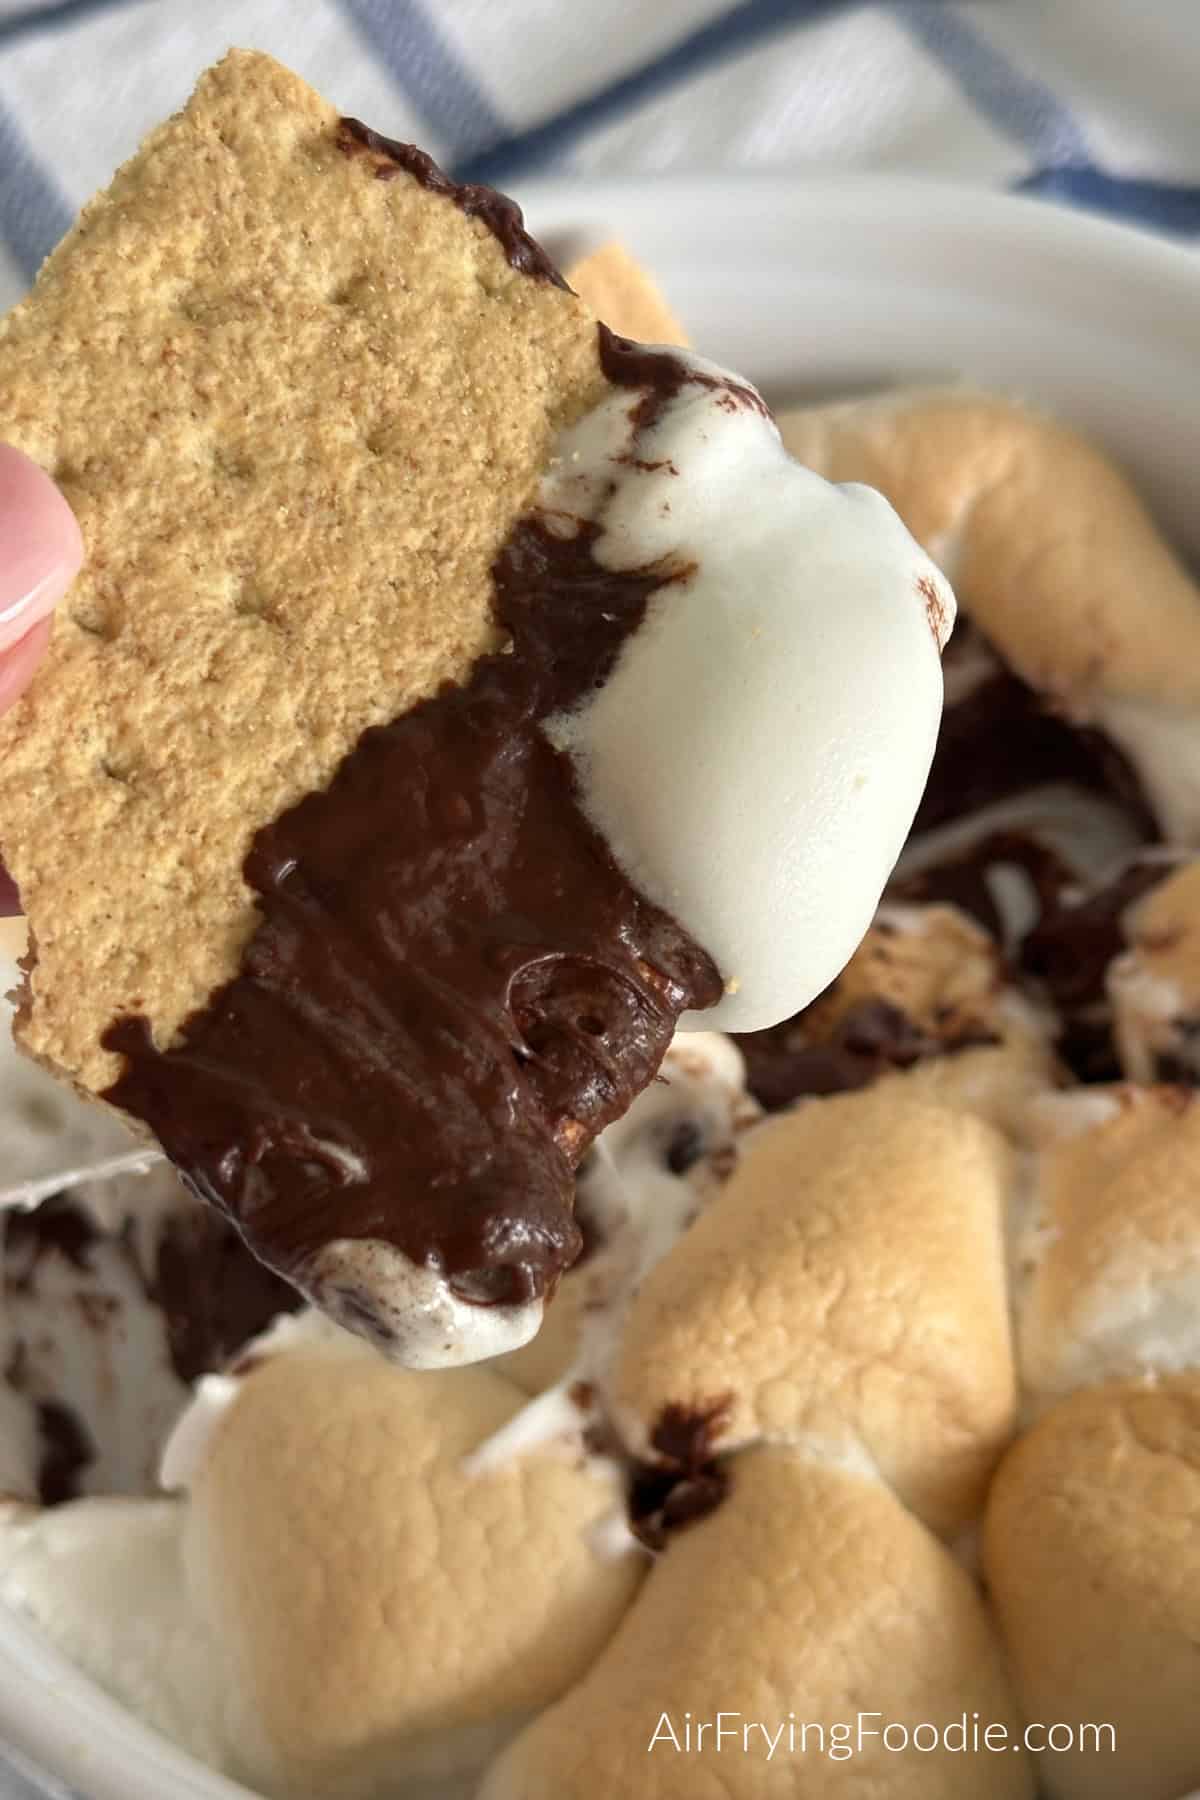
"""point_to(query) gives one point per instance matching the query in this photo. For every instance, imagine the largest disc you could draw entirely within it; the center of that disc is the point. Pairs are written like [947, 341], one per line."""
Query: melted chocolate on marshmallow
[452, 987]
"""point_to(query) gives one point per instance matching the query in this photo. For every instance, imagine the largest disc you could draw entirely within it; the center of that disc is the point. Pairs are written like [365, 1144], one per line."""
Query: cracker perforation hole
[233, 464]
[252, 604]
[354, 293]
[117, 771]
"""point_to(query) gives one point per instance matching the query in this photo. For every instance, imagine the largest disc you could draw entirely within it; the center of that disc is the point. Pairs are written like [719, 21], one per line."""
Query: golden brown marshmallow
[1154, 985]
[1111, 1279]
[1051, 551]
[376, 1600]
[1092, 1559]
[812, 1592]
[847, 1286]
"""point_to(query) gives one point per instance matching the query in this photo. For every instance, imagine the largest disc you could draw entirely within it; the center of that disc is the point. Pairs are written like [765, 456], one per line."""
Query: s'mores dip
[670, 1222]
[457, 695]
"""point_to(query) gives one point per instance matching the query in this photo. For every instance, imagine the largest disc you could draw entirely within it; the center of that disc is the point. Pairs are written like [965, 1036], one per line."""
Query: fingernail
[40, 546]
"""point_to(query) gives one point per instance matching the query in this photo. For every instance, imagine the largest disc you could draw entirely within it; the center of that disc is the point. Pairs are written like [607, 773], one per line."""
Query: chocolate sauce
[661, 377]
[962, 879]
[502, 216]
[663, 1501]
[1003, 738]
[65, 1451]
[869, 1040]
[684, 1437]
[452, 987]
[688, 1482]
[55, 1228]
[1069, 951]
[214, 1295]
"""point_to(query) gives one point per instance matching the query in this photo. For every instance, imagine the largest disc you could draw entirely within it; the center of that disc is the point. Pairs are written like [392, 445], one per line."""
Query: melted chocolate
[502, 216]
[661, 377]
[870, 1039]
[214, 1295]
[1003, 738]
[962, 880]
[688, 1482]
[65, 1451]
[452, 987]
[1069, 951]
[685, 1436]
[55, 1228]
[662, 1501]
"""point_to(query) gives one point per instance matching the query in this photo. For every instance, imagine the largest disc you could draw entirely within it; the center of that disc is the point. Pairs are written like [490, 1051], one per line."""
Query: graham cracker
[296, 400]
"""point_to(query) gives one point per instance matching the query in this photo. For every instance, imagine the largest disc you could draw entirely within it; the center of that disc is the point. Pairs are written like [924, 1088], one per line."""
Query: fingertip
[19, 661]
[41, 547]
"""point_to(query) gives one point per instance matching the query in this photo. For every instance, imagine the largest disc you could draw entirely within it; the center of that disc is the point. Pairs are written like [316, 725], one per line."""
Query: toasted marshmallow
[848, 1284]
[1113, 1282]
[809, 1595]
[1055, 558]
[619, 291]
[329, 1505]
[802, 639]
[925, 999]
[1154, 986]
[1093, 1564]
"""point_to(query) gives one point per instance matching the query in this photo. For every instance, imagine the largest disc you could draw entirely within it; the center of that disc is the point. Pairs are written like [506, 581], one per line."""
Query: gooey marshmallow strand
[757, 756]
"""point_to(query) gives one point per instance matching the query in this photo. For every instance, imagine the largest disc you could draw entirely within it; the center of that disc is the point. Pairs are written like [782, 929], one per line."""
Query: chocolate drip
[452, 987]
[502, 216]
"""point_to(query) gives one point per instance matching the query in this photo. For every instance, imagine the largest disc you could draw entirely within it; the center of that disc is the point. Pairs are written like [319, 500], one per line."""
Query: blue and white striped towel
[1092, 101]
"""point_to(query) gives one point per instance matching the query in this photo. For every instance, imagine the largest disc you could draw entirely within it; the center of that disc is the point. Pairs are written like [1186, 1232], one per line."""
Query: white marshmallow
[104, 1581]
[414, 1316]
[757, 755]
[1163, 744]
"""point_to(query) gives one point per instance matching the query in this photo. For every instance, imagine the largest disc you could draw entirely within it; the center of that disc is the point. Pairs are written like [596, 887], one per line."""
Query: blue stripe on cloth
[407, 40]
[1164, 205]
[50, 18]
[33, 214]
[1015, 103]
[727, 36]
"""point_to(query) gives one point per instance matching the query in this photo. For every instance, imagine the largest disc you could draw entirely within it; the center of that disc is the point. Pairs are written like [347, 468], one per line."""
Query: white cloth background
[1093, 102]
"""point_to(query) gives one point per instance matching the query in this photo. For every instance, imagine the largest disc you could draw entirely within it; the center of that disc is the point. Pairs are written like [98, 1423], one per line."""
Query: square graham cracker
[297, 400]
